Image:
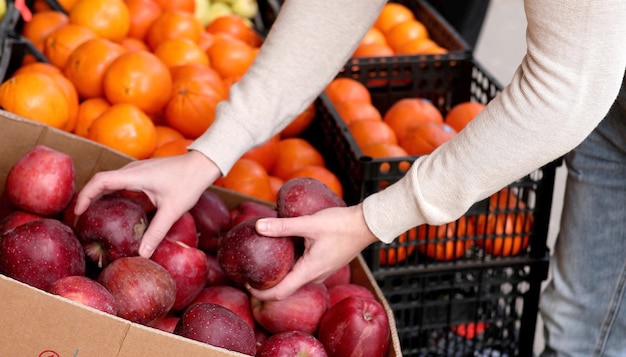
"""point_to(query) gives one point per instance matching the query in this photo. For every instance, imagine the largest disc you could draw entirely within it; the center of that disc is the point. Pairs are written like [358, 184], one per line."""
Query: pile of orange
[397, 32]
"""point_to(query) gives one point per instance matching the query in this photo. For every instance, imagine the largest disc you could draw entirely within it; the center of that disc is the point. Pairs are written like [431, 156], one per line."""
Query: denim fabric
[583, 307]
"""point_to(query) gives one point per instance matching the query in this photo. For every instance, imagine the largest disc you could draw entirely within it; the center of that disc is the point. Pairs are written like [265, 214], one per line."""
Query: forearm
[308, 44]
[563, 88]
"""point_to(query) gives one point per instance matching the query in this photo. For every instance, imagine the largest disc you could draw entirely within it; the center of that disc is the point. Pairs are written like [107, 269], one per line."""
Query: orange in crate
[250, 178]
[425, 138]
[344, 89]
[461, 114]
[397, 255]
[294, 154]
[351, 111]
[408, 113]
[445, 242]
[322, 174]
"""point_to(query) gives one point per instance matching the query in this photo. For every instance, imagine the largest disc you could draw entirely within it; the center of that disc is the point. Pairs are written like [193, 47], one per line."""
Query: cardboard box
[36, 323]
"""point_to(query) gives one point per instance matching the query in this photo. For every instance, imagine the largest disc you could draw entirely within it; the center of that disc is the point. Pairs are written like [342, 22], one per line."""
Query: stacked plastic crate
[455, 290]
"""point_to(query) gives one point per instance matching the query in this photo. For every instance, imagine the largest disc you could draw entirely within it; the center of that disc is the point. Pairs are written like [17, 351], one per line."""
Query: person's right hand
[173, 184]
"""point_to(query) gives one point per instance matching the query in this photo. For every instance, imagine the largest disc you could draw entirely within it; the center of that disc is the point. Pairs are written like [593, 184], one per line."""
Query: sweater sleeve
[307, 45]
[565, 85]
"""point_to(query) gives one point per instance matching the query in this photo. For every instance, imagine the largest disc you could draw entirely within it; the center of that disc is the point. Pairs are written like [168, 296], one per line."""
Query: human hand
[332, 238]
[173, 184]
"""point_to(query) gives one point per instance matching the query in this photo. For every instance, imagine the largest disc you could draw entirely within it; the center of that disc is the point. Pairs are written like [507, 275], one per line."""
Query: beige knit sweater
[566, 83]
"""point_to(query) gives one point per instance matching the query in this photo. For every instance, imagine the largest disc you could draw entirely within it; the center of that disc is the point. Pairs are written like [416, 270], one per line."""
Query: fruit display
[93, 260]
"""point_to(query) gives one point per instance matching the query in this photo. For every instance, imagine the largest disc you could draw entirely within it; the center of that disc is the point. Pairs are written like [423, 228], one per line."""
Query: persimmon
[109, 19]
[64, 40]
[350, 111]
[179, 51]
[236, 26]
[86, 65]
[133, 44]
[266, 154]
[191, 107]
[35, 96]
[88, 111]
[41, 25]
[392, 14]
[165, 134]
[202, 73]
[294, 154]
[425, 138]
[249, 178]
[394, 255]
[300, 123]
[420, 46]
[173, 24]
[188, 6]
[344, 88]
[373, 50]
[142, 14]
[462, 113]
[172, 148]
[407, 113]
[41, 5]
[139, 78]
[367, 132]
[323, 174]
[125, 128]
[386, 150]
[275, 184]
[230, 57]
[506, 227]
[445, 242]
[373, 35]
[404, 32]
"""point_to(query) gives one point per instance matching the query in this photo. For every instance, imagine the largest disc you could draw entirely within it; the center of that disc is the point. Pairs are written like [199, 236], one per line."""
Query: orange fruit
[300, 123]
[235, 26]
[172, 148]
[404, 32]
[179, 51]
[249, 178]
[206, 40]
[407, 113]
[139, 78]
[173, 24]
[41, 25]
[64, 40]
[322, 174]
[133, 44]
[396, 255]
[178, 5]
[86, 65]
[36, 96]
[508, 228]
[461, 114]
[42, 5]
[373, 35]
[142, 14]
[351, 111]
[165, 134]
[230, 57]
[344, 89]
[109, 19]
[202, 73]
[266, 154]
[367, 132]
[191, 107]
[445, 242]
[392, 14]
[294, 154]
[387, 150]
[373, 50]
[425, 138]
[125, 128]
[420, 46]
[88, 111]
[275, 183]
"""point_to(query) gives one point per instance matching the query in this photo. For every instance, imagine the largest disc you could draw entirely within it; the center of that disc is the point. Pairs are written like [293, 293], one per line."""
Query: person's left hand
[332, 238]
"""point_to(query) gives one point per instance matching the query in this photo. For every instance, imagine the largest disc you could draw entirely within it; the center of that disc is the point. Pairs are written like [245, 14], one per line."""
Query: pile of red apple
[194, 284]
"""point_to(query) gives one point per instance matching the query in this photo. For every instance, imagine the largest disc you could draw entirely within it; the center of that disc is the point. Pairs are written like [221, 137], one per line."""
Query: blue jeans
[584, 305]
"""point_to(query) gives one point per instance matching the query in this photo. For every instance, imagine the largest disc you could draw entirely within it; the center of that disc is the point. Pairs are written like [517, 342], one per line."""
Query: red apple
[165, 323]
[234, 299]
[139, 197]
[184, 230]
[250, 209]
[340, 292]
[187, 266]
[355, 326]
[300, 311]
[111, 228]
[85, 291]
[212, 219]
[216, 325]
[248, 257]
[143, 289]
[339, 277]
[40, 252]
[303, 196]
[292, 344]
[41, 181]
[17, 218]
[215, 273]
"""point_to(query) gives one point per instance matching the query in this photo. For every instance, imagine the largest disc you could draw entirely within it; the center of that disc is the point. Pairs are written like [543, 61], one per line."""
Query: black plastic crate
[484, 310]
[524, 204]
